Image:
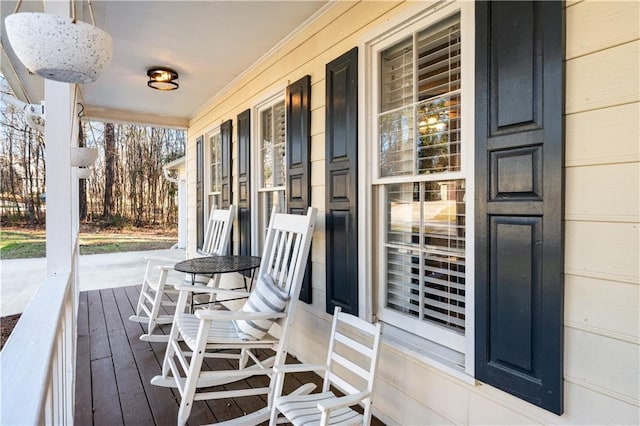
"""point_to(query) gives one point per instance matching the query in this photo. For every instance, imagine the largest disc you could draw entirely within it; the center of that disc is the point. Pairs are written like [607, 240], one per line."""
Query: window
[421, 181]
[215, 171]
[272, 164]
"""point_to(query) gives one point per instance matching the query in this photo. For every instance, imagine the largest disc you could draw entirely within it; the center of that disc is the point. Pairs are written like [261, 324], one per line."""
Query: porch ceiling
[209, 44]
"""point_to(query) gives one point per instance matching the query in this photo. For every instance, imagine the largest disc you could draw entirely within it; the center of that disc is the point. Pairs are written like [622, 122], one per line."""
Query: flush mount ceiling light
[59, 48]
[162, 79]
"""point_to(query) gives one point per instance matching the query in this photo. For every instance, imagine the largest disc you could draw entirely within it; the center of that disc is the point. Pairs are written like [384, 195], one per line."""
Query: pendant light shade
[83, 156]
[56, 48]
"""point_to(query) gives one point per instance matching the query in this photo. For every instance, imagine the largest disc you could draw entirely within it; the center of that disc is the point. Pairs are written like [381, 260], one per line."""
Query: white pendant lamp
[83, 156]
[59, 48]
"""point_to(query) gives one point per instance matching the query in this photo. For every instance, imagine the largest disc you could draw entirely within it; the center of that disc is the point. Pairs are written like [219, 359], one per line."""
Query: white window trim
[207, 168]
[276, 95]
[413, 19]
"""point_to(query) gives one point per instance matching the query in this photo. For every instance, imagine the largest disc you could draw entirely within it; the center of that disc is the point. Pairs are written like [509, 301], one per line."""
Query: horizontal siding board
[604, 307]
[602, 79]
[413, 411]
[317, 92]
[318, 278]
[318, 198]
[603, 250]
[317, 121]
[603, 193]
[595, 408]
[317, 147]
[483, 411]
[318, 250]
[591, 135]
[602, 362]
[428, 386]
[317, 173]
[597, 25]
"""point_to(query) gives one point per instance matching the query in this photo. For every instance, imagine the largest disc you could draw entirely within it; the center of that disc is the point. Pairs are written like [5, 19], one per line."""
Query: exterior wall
[602, 221]
[602, 209]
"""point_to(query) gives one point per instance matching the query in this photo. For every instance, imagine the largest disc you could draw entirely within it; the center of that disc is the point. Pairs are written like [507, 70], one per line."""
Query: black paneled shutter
[244, 179]
[519, 199]
[298, 104]
[200, 191]
[226, 174]
[341, 175]
[226, 178]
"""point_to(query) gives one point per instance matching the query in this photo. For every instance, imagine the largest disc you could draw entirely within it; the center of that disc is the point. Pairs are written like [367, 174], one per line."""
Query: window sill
[432, 354]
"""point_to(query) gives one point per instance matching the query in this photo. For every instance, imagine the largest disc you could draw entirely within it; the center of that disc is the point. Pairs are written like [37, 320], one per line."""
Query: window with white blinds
[425, 251]
[419, 120]
[215, 170]
[422, 211]
[272, 162]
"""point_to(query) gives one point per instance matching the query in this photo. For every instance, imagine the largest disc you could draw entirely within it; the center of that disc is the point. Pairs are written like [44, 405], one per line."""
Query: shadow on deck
[114, 369]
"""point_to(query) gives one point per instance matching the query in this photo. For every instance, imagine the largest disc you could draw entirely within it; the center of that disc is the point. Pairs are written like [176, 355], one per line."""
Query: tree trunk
[109, 166]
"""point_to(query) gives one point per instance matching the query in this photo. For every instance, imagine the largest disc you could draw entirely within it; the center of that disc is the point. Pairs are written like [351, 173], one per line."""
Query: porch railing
[37, 364]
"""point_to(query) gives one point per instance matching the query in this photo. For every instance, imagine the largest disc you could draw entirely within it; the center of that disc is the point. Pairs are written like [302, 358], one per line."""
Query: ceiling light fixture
[162, 79]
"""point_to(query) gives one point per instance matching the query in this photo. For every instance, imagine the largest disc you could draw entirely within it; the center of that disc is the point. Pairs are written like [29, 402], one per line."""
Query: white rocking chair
[160, 277]
[351, 338]
[264, 322]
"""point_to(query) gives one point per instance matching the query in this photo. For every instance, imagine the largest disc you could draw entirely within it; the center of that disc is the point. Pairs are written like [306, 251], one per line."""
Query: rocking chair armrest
[215, 315]
[166, 267]
[343, 401]
[161, 260]
[297, 368]
[199, 288]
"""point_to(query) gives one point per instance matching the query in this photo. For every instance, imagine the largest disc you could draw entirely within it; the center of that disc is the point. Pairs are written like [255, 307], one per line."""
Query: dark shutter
[244, 179]
[200, 191]
[226, 177]
[519, 199]
[341, 175]
[298, 148]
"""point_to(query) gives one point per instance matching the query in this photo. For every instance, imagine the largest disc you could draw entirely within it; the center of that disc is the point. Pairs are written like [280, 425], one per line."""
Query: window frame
[208, 178]
[414, 20]
[268, 102]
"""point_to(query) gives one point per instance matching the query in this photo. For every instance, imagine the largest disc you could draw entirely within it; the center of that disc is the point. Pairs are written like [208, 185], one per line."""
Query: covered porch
[114, 368]
[515, 304]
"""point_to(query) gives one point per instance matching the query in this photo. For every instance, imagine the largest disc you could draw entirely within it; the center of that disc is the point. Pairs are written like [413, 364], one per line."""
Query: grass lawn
[20, 243]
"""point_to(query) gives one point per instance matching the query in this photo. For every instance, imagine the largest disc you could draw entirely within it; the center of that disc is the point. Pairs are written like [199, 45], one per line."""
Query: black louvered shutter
[519, 199]
[244, 180]
[298, 103]
[341, 179]
[200, 192]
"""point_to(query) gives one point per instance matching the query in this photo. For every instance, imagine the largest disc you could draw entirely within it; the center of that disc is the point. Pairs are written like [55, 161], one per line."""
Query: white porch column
[62, 192]
[61, 133]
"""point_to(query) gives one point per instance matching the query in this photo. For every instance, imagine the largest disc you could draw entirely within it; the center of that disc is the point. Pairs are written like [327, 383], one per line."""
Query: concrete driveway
[21, 278]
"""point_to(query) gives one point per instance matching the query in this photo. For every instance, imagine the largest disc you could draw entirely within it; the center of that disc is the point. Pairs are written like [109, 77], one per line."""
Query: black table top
[217, 264]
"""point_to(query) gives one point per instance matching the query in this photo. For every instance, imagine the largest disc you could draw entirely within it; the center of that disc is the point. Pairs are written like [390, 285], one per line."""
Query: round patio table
[212, 265]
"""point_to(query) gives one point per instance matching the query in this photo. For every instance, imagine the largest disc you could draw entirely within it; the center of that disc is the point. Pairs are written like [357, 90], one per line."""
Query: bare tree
[21, 165]
[109, 163]
[126, 184]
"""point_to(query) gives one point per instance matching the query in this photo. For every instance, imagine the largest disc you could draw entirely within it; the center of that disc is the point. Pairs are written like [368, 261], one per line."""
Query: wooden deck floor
[114, 369]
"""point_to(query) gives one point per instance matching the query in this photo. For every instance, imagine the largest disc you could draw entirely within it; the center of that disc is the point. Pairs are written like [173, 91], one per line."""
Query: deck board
[114, 370]
[83, 413]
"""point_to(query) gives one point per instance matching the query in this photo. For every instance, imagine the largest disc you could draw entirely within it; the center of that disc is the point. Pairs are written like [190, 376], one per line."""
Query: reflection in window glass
[272, 163]
[215, 170]
[423, 213]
